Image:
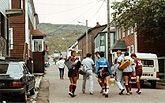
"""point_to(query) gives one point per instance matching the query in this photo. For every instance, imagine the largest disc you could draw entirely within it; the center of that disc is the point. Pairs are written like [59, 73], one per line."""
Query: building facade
[87, 46]
[20, 37]
[4, 5]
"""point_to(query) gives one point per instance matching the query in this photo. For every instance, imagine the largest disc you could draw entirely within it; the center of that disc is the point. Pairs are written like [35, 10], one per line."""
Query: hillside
[61, 36]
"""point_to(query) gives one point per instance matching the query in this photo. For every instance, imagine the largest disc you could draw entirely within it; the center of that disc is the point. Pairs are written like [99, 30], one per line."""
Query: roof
[91, 29]
[37, 33]
[119, 45]
[146, 56]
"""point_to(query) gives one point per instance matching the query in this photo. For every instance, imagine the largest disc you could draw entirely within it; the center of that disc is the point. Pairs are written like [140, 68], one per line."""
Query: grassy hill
[60, 36]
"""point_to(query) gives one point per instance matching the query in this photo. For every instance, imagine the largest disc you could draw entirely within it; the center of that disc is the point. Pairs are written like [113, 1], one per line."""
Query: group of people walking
[134, 69]
[104, 71]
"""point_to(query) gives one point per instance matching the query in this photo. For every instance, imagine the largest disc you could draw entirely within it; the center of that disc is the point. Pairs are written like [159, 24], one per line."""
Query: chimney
[97, 24]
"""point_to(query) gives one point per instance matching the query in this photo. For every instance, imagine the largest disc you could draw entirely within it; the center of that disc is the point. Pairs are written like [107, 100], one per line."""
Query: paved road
[58, 92]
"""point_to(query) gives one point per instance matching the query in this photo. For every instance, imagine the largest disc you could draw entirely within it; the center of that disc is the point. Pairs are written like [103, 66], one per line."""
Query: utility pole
[86, 36]
[135, 39]
[108, 29]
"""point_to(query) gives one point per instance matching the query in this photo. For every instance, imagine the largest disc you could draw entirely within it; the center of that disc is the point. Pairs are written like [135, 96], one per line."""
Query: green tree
[149, 15]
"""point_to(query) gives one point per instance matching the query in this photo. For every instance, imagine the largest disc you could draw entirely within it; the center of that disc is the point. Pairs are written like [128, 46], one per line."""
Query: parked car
[15, 79]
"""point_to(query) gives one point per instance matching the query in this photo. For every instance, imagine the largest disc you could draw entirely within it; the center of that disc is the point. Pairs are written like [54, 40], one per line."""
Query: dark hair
[133, 55]
[88, 55]
[126, 54]
[101, 54]
[73, 51]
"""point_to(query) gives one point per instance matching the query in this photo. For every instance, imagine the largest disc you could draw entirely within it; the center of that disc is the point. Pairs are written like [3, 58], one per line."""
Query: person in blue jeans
[103, 71]
[61, 65]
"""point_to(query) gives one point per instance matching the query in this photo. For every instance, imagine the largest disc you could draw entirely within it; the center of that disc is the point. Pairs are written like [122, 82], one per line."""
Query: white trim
[21, 4]
[10, 38]
[10, 3]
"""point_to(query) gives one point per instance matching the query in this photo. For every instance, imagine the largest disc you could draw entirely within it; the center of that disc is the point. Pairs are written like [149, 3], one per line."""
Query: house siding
[18, 39]
[18, 25]
[129, 40]
[21, 26]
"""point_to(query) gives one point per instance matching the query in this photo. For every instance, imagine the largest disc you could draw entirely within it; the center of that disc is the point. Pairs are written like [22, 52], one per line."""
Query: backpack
[103, 62]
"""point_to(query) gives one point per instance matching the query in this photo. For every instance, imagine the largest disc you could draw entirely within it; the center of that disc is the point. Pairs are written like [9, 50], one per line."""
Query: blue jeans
[61, 70]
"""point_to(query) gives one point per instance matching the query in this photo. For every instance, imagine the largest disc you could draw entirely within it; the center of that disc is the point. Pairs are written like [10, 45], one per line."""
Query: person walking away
[61, 65]
[88, 65]
[119, 73]
[99, 79]
[73, 72]
[138, 71]
[103, 71]
[127, 73]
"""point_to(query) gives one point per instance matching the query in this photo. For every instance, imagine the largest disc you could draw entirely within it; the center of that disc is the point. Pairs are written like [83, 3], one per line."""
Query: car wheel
[1, 97]
[32, 91]
[23, 97]
[153, 84]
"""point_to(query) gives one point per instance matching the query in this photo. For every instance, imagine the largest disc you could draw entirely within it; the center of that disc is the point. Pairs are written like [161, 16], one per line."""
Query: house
[104, 42]
[20, 27]
[86, 41]
[39, 51]
[23, 22]
[5, 13]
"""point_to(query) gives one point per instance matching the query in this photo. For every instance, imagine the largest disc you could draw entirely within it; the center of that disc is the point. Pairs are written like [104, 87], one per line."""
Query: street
[58, 92]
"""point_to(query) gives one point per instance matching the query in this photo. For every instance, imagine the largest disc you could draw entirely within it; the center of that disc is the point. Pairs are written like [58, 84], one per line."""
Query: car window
[3, 68]
[15, 70]
[148, 63]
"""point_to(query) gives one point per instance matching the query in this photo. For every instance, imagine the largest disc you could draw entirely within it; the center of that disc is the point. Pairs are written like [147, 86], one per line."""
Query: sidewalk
[43, 94]
[161, 82]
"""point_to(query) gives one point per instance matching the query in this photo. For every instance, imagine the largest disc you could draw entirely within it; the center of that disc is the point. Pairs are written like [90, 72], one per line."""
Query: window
[148, 63]
[102, 40]
[2, 25]
[11, 38]
[37, 45]
[21, 4]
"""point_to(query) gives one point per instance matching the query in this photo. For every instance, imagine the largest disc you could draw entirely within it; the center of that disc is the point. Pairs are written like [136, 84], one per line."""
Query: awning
[14, 12]
[119, 45]
[36, 34]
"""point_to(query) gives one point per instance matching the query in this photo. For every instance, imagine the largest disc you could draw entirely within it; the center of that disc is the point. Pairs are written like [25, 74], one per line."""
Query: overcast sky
[72, 11]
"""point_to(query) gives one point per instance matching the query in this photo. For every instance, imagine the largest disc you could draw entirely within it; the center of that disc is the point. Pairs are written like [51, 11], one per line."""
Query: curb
[159, 83]
[43, 94]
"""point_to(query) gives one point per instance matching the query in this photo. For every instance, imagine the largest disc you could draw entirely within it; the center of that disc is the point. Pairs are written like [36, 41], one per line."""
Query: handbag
[69, 63]
[82, 70]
